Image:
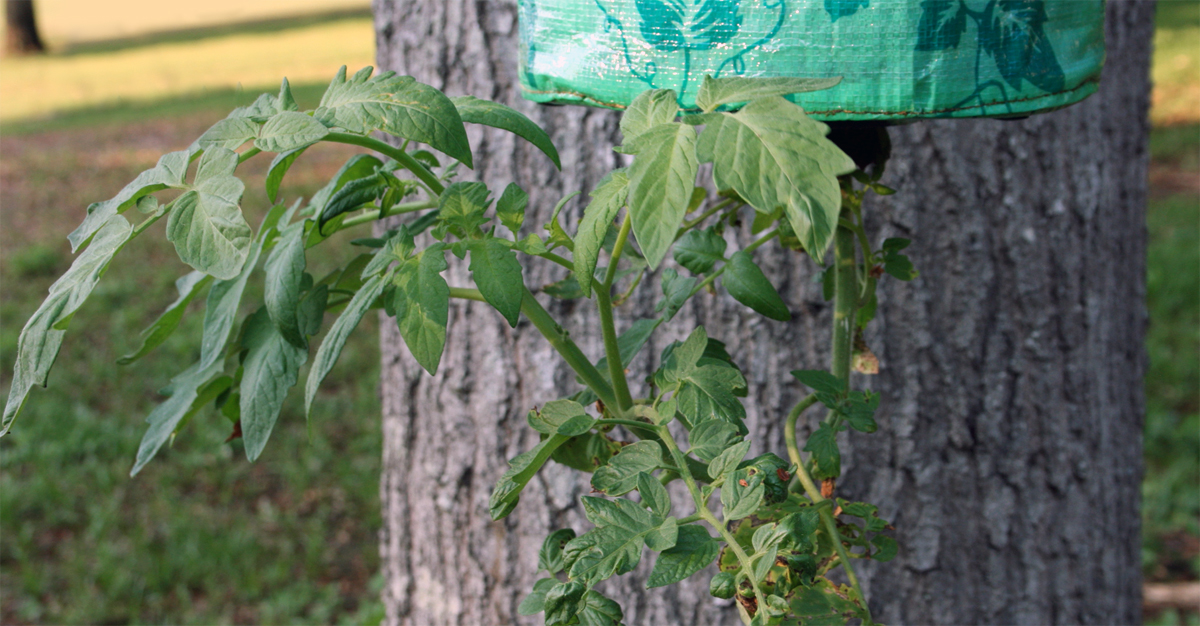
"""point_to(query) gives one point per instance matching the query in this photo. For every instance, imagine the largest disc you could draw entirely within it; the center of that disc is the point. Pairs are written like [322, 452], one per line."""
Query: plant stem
[612, 350]
[688, 225]
[402, 157]
[570, 352]
[707, 515]
[247, 155]
[708, 280]
[399, 209]
[845, 276]
[789, 429]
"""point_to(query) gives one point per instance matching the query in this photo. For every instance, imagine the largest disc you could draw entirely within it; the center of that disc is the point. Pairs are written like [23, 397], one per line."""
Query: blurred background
[203, 537]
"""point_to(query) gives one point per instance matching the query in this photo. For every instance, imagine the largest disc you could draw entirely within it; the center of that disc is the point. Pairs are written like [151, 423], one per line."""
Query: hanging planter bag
[899, 59]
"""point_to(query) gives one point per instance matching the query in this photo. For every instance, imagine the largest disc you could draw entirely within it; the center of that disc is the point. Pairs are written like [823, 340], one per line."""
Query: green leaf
[289, 130]
[620, 513]
[896, 264]
[694, 550]
[715, 92]
[599, 611]
[661, 180]
[510, 208]
[221, 307]
[700, 250]
[728, 460]
[229, 133]
[763, 565]
[189, 286]
[42, 336]
[206, 224]
[559, 236]
[476, 111]
[497, 273]
[710, 438]
[586, 452]
[663, 536]
[649, 109]
[607, 199]
[620, 475]
[602, 553]
[169, 172]
[676, 290]
[772, 155]
[553, 415]
[711, 391]
[335, 340]
[421, 301]
[821, 381]
[654, 494]
[723, 585]
[462, 206]
[270, 369]
[397, 105]
[576, 426]
[563, 602]
[869, 513]
[284, 277]
[747, 284]
[859, 411]
[550, 556]
[887, 548]
[535, 602]
[827, 460]
[742, 494]
[278, 168]
[353, 195]
[357, 166]
[184, 400]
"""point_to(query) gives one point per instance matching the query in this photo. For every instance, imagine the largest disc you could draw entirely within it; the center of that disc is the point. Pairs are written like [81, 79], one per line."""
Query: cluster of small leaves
[771, 549]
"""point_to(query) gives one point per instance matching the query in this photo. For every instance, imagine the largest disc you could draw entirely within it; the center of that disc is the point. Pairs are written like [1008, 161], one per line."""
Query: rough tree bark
[21, 36]
[1009, 450]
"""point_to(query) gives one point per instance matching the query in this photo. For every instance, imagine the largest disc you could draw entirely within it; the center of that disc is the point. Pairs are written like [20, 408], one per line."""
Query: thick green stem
[402, 157]
[789, 429]
[845, 276]
[707, 515]
[399, 209]
[616, 369]
[570, 352]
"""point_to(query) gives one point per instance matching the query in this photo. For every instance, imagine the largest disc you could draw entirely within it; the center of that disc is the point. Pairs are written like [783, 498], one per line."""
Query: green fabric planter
[899, 59]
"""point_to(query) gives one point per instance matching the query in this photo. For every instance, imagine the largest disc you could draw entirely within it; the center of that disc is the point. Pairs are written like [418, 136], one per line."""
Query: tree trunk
[21, 35]
[1009, 449]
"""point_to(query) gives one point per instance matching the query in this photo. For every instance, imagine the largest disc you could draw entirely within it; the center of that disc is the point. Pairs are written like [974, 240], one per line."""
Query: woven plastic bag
[899, 59]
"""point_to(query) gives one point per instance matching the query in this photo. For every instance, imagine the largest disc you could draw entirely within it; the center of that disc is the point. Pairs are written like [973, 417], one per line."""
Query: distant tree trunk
[21, 28]
[1009, 450]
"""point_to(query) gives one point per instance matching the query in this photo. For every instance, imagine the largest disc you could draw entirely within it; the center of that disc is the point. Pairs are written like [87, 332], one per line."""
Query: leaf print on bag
[844, 8]
[1013, 32]
[671, 25]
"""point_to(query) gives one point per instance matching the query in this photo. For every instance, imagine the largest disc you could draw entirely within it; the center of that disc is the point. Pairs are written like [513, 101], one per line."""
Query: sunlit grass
[35, 87]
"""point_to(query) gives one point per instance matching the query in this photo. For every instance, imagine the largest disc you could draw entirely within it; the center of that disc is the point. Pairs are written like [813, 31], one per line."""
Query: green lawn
[202, 536]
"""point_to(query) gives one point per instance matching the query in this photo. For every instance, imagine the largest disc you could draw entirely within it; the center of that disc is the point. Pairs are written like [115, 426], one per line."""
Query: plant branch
[561, 342]
[612, 350]
[403, 158]
[690, 224]
[399, 209]
[789, 429]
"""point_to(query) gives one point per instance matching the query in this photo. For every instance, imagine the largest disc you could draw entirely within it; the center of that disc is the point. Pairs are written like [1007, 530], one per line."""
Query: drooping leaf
[278, 169]
[676, 290]
[289, 130]
[550, 556]
[270, 369]
[747, 284]
[206, 226]
[497, 273]
[607, 199]
[552, 415]
[169, 172]
[421, 301]
[354, 194]
[715, 92]
[521, 469]
[941, 25]
[563, 602]
[221, 306]
[654, 495]
[827, 460]
[510, 208]
[602, 553]
[357, 166]
[619, 477]
[284, 270]
[165, 418]
[700, 250]
[773, 155]
[661, 180]
[42, 336]
[887, 548]
[649, 109]
[598, 610]
[694, 550]
[476, 111]
[331, 348]
[188, 286]
[397, 105]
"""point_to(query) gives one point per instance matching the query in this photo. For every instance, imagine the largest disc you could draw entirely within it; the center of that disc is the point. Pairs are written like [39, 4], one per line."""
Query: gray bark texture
[1009, 450]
